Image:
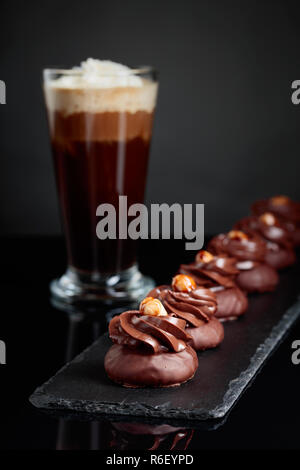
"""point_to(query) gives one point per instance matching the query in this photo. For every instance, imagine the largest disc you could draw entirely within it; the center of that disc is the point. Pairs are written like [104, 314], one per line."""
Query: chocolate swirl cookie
[151, 348]
[218, 273]
[250, 251]
[286, 210]
[279, 249]
[239, 245]
[197, 306]
[282, 206]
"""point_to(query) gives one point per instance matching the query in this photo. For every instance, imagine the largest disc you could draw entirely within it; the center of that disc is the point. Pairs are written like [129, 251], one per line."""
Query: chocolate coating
[287, 213]
[207, 336]
[149, 351]
[197, 309]
[255, 275]
[261, 278]
[211, 274]
[253, 249]
[232, 303]
[153, 334]
[289, 210]
[294, 231]
[219, 275]
[276, 233]
[194, 307]
[279, 257]
[279, 250]
[135, 368]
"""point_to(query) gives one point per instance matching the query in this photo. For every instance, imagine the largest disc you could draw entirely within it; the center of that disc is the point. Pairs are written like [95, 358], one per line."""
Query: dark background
[226, 131]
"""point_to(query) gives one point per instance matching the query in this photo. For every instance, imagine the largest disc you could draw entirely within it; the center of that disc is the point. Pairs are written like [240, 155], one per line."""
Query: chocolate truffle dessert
[196, 306]
[151, 348]
[279, 250]
[286, 210]
[217, 273]
[250, 251]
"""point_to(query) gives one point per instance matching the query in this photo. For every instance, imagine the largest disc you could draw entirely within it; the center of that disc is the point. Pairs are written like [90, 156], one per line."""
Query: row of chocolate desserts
[155, 345]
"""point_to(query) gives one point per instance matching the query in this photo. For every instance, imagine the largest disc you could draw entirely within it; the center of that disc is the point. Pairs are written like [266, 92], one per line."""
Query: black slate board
[222, 376]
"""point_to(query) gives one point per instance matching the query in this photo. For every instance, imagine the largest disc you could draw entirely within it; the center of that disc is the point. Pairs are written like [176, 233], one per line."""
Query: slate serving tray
[81, 386]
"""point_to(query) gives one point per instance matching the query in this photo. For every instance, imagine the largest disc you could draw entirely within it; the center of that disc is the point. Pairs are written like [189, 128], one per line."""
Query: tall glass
[100, 137]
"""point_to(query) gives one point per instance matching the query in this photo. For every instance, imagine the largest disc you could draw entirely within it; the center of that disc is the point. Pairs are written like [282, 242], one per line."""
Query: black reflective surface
[41, 338]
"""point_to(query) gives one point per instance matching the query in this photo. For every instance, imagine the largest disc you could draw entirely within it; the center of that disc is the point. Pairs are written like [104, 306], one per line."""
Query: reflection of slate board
[223, 374]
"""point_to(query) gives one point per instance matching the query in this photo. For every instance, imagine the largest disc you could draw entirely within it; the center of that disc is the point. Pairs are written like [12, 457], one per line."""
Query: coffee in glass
[100, 119]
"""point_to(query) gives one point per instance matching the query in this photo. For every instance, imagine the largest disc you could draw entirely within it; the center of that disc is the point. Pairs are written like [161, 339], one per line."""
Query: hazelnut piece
[268, 218]
[154, 307]
[280, 200]
[183, 283]
[237, 235]
[204, 256]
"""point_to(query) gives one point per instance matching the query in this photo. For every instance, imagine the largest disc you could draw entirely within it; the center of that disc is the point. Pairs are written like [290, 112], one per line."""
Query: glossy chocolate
[282, 206]
[149, 351]
[279, 250]
[260, 278]
[150, 333]
[232, 303]
[136, 368]
[255, 275]
[253, 248]
[197, 308]
[294, 230]
[219, 276]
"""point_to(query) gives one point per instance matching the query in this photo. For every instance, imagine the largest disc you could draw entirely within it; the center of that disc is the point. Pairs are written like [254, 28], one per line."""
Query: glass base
[126, 287]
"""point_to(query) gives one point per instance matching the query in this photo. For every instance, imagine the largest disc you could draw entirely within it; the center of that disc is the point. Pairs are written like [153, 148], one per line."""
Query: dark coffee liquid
[89, 173]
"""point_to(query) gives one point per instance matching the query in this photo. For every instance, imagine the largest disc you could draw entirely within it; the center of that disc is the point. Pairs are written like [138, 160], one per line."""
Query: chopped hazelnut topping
[280, 200]
[268, 218]
[183, 283]
[154, 307]
[237, 235]
[204, 256]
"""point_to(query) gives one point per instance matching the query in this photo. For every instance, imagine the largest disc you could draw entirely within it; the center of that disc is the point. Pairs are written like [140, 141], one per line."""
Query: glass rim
[140, 70]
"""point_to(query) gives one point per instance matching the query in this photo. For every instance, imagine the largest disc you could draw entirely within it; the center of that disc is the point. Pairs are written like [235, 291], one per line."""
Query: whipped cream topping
[100, 86]
[94, 73]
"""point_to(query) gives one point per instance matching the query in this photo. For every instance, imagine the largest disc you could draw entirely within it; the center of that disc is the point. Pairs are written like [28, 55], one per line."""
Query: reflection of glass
[100, 140]
[78, 435]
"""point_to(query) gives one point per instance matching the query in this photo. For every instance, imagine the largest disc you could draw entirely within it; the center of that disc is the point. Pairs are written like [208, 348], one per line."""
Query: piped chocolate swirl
[151, 348]
[221, 270]
[250, 249]
[279, 241]
[197, 306]
[239, 245]
[282, 206]
[218, 273]
[151, 333]
[267, 226]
